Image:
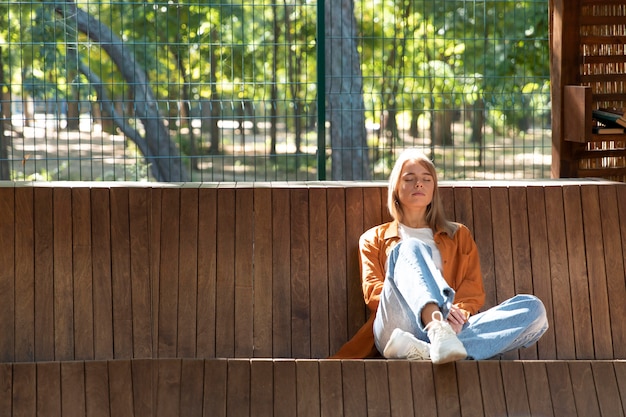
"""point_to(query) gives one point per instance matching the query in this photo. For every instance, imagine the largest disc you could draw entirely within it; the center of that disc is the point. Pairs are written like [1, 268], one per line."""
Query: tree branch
[167, 163]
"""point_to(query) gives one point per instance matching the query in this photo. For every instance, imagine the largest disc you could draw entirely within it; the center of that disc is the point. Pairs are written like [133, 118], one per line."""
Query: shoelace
[416, 353]
[437, 325]
[439, 314]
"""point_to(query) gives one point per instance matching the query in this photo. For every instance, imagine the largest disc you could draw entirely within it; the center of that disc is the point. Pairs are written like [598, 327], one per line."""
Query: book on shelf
[609, 118]
[615, 110]
[601, 130]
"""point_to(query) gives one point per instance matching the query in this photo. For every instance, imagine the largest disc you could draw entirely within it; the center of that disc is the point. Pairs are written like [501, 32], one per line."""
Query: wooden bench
[221, 299]
[587, 72]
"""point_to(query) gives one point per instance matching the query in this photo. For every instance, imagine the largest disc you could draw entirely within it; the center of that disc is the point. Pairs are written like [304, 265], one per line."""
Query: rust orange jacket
[461, 269]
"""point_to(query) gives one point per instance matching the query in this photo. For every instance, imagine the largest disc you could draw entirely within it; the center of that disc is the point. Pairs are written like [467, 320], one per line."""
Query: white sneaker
[445, 346]
[403, 345]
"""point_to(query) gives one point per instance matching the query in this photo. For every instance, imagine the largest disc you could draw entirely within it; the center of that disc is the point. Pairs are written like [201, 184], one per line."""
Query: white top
[424, 234]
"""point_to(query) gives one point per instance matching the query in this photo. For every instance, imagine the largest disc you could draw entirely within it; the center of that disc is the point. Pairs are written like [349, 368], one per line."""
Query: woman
[421, 277]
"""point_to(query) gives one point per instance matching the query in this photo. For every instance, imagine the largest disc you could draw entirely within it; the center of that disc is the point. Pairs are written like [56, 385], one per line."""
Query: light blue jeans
[413, 281]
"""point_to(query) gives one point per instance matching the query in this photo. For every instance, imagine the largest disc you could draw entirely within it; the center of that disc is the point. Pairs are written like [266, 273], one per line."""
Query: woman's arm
[372, 269]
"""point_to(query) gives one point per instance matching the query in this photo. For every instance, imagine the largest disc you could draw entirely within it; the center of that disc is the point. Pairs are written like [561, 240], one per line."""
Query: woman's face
[416, 186]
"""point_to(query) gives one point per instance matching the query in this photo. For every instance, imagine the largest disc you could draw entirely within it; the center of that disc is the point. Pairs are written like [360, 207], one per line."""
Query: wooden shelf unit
[588, 71]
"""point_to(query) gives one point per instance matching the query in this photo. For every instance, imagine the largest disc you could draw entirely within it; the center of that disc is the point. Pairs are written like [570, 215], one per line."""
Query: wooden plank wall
[237, 271]
[312, 388]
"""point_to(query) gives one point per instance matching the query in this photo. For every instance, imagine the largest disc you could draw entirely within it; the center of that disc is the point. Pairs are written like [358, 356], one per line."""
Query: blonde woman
[421, 279]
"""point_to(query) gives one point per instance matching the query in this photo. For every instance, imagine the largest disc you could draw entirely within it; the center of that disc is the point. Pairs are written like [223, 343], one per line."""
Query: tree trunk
[298, 125]
[478, 121]
[274, 88]
[415, 116]
[95, 110]
[185, 109]
[108, 106]
[390, 82]
[344, 93]
[161, 154]
[215, 110]
[441, 128]
[72, 114]
[5, 126]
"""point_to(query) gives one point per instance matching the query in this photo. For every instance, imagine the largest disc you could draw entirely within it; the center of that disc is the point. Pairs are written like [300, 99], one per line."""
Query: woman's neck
[415, 220]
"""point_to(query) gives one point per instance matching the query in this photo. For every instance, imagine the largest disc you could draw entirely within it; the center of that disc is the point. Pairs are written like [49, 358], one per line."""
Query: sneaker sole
[450, 357]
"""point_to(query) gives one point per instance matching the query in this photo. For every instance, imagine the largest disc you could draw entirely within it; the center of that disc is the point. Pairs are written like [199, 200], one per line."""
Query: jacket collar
[393, 231]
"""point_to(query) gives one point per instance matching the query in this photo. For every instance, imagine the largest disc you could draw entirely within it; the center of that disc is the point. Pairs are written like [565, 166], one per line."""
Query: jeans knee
[535, 318]
[414, 250]
[536, 310]
[411, 245]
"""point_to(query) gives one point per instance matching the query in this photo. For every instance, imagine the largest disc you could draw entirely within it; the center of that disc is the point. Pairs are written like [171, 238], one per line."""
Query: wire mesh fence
[272, 91]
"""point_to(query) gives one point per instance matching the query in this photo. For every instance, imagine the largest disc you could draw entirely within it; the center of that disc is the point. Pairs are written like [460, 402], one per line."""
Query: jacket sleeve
[372, 269]
[468, 282]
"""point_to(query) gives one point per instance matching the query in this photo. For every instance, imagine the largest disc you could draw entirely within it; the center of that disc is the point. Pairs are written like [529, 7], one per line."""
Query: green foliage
[453, 52]
[139, 171]
[42, 174]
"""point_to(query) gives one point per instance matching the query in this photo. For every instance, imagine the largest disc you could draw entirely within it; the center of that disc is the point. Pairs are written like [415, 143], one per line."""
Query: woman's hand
[457, 318]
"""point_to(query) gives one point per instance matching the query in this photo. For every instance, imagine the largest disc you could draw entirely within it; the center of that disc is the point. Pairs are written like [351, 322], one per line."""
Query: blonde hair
[435, 215]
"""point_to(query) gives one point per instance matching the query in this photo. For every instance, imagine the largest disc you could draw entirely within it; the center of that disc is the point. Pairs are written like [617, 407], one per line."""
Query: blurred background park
[297, 90]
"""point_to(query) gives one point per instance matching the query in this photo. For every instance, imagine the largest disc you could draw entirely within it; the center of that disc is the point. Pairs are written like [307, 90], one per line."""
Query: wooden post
[564, 70]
